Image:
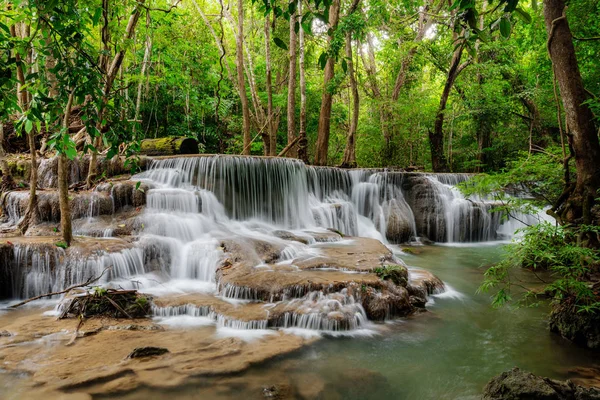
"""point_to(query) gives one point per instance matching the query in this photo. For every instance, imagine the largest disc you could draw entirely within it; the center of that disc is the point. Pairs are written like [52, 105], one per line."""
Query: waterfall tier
[293, 246]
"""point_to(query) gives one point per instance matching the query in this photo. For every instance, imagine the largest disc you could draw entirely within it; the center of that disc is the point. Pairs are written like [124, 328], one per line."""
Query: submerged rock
[582, 328]
[149, 351]
[521, 385]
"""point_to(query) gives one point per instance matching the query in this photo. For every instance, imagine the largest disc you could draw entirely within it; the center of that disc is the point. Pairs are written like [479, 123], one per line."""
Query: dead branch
[86, 283]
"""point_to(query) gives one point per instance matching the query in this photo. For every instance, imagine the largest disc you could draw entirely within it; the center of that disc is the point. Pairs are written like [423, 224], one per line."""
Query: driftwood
[169, 146]
[86, 283]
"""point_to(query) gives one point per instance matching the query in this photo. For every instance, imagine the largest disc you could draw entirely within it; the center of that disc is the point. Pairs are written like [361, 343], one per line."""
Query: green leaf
[28, 126]
[292, 7]
[280, 43]
[345, 66]
[323, 60]
[505, 27]
[523, 15]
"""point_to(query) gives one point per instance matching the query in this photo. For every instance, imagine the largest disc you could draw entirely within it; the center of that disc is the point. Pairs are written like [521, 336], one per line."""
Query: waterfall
[271, 211]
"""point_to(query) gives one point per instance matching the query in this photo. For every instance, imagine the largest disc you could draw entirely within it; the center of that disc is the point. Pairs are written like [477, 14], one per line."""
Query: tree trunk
[145, 63]
[239, 47]
[324, 129]
[302, 142]
[582, 135]
[291, 100]
[349, 160]
[218, 42]
[425, 22]
[371, 70]
[23, 100]
[111, 74]
[436, 137]
[7, 179]
[270, 136]
[66, 228]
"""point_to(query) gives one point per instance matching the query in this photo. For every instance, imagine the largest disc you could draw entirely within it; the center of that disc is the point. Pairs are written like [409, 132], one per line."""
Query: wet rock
[580, 327]
[399, 223]
[393, 301]
[136, 327]
[326, 236]
[79, 167]
[125, 194]
[427, 207]
[277, 392]
[140, 352]
[286, 235]
[521, 385]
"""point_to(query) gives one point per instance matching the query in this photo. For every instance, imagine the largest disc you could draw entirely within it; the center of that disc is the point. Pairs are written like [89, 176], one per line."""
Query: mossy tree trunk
[63, 182]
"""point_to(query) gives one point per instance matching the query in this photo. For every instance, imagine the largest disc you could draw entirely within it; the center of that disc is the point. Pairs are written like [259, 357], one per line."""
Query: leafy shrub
[552, 248]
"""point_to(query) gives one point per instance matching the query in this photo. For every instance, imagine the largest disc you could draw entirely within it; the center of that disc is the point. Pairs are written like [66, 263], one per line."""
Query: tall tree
[111, 69]
[291, 100]
[582, 133]
[349, 160]
[436, 137]
[324, 129]
[302, 141]
[270, 139]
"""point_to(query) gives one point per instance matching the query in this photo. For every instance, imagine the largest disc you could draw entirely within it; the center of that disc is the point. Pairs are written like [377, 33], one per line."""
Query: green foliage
[538, 175]
[545, 247]
[395, 273]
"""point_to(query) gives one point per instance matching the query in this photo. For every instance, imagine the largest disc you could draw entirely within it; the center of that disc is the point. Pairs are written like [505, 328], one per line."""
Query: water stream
[450, 352]
[275, 215]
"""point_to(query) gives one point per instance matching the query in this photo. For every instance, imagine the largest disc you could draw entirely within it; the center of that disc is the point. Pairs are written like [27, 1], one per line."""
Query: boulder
[580, 327]
[399, 227]
[521, 385]
[426, 205]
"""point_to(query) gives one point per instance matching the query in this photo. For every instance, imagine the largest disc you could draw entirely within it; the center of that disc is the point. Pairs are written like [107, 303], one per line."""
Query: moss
[395, 273]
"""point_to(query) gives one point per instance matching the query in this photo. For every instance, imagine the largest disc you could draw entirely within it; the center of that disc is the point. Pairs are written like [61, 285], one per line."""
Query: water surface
[449, 352]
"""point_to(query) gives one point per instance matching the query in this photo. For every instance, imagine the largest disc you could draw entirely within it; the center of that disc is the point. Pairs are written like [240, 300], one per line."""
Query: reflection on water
[447, 353]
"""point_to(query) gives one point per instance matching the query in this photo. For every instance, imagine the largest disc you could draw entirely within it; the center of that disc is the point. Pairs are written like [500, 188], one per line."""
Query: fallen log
[169, 146]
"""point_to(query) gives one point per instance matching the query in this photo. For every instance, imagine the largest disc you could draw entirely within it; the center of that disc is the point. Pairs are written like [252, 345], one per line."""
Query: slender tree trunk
[144, 69]
[582, 134]
[302, 142]
[270, 136]
[7, 179]
[216, 38]
[23, 100]
[371, 69]
[111, 73]
[425, 22]
[291, 100]
[239, 47]
[436, 137]
[327, 96]
[349, 160]
[63, 183]
[484, 123]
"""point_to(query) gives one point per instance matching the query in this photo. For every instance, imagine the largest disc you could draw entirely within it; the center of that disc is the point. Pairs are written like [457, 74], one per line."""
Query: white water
[196, 203]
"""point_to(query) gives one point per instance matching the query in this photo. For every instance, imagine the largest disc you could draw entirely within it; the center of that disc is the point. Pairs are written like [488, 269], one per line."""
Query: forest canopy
[369, 83]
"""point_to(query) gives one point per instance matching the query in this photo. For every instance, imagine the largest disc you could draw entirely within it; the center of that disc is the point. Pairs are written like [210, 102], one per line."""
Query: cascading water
[196, 204]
